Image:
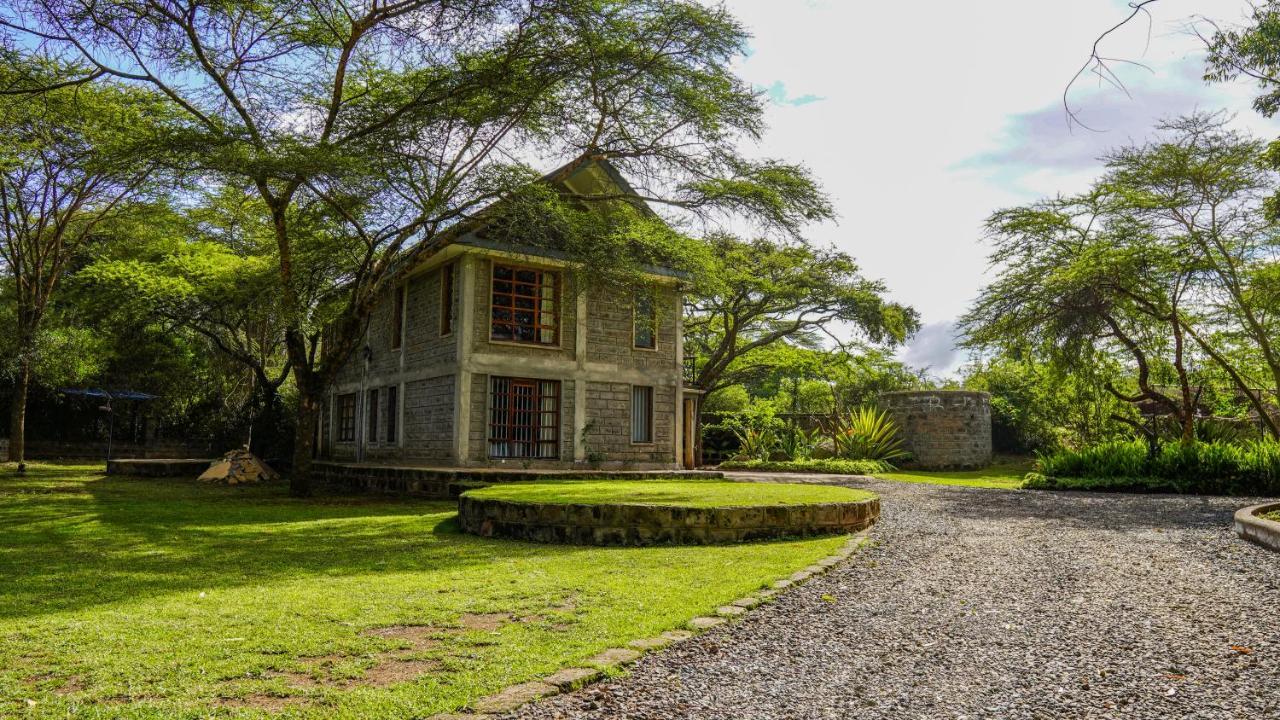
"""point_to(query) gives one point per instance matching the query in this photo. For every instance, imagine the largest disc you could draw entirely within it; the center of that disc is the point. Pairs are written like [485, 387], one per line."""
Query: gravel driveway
[979, 603]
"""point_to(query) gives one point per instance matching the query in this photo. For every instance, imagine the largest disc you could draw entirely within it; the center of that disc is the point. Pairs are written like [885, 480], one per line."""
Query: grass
[832, 466]
[143, 598]
[1005, 473]
[685, 493]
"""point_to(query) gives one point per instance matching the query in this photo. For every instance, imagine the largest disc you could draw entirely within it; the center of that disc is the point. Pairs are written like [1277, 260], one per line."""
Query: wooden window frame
[397, 318]
[635, 320]
[523, 441]
[541, 274]
[347, 417]
[650, 431]
[448, 287]
[371, 416]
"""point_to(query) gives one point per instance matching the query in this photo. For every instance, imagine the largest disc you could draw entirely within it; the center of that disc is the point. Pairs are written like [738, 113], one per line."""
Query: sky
[920, 119]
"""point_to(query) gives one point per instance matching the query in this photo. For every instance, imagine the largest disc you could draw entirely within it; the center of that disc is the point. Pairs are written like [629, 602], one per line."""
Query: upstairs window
[644, 330]
[525, 305]
[347, 418]
[397, 319]
[446, 299]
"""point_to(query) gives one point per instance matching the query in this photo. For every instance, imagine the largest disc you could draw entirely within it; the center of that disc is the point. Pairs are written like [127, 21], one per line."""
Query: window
[641, 414]
[347, 418]
[393, 412]
[644, 331]
[446, 299]
[372, 413]
[397, 319]
[524, 418]
[524, 305]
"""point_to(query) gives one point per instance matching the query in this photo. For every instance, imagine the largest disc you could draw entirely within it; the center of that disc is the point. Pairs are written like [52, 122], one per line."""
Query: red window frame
[524, 418]
[524, 305]
[347, 417]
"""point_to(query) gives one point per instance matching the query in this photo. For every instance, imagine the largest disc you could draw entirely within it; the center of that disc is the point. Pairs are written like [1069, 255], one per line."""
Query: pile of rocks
[237, 467]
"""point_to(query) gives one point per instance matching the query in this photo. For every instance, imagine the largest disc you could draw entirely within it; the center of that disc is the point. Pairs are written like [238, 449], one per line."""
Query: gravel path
[979, 603]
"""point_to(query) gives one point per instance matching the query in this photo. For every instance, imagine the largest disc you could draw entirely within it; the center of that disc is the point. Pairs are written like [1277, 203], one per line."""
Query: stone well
[623, 524]
[943, 429]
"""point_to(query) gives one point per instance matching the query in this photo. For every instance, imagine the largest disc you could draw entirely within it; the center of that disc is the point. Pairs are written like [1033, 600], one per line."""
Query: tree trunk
[18, 410]
[304, 437]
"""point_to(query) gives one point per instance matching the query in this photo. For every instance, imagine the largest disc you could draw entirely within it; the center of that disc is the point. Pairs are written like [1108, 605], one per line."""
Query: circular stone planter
[619, 522]
[1250, 525]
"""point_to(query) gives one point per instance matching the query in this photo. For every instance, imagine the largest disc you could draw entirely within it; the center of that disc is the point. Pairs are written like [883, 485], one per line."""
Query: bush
[833, 466]
[1214, 468]
[868, 434]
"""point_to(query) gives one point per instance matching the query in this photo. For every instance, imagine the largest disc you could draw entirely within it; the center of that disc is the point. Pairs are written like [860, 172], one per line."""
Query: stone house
[491, 355]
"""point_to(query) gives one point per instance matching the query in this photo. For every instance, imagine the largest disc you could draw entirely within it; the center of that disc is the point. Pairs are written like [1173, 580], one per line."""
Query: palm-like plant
[868, 434]
[755, 443]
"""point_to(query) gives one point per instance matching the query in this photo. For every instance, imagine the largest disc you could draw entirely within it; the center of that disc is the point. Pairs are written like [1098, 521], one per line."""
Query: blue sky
[922, 118]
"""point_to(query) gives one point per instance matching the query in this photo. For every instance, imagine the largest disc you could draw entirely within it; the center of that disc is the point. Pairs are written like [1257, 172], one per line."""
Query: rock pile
[237, 467]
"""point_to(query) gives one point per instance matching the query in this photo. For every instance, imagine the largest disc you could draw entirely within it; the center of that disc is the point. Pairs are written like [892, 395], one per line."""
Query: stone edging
[1250, 525]
[593, 669]
[628, 524]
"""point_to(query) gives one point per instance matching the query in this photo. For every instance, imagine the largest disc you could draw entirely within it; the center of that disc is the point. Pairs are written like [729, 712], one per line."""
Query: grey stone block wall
[609, 422]
[654, 524]
[943, 429]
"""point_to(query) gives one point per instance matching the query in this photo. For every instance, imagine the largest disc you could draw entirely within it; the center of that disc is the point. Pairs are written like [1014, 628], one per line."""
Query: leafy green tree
[71, 163]
[763, 303]
[406, 120]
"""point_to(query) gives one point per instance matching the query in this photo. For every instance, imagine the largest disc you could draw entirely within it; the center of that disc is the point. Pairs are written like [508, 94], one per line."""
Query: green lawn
[166, 598]
[695, 493]
[1003, 474]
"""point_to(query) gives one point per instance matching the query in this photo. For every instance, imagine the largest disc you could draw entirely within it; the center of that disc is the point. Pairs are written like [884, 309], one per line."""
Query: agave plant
[755, 443]
[867, 434]
[798, 444]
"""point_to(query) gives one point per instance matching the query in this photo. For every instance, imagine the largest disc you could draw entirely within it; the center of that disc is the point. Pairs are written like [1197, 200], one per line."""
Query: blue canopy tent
[108, 396]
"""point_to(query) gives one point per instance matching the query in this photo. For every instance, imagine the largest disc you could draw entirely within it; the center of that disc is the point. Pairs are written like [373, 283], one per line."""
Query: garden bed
[609, 512]
[831, 466]
[1260, 524]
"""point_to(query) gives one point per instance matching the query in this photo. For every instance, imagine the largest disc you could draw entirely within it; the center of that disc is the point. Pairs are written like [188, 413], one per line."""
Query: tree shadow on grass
[74, 539]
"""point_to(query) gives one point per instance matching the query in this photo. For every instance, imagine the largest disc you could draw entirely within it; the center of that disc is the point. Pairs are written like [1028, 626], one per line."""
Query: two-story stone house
[489, 354]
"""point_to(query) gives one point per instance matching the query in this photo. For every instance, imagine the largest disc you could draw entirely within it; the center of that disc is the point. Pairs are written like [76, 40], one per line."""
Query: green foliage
[831, 466]
[1215, 468]
[867, 434]
[796, 443]
[683, 493]
[756, 443]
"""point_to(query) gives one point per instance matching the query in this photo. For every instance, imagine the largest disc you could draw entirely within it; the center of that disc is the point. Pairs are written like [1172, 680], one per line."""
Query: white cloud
[933, 115]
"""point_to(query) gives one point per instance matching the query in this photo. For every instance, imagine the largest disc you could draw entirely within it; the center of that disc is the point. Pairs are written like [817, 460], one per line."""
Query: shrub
[796, 443]
[1215, 468]
[867, 434]
[833, 466]
[755, 443]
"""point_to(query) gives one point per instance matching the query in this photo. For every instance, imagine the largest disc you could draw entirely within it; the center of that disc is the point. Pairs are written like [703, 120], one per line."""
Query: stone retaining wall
[652, 525]
[943, 429]
[1250, 525]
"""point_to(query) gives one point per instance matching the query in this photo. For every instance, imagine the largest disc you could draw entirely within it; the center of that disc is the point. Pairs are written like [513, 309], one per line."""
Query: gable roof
[583, 175]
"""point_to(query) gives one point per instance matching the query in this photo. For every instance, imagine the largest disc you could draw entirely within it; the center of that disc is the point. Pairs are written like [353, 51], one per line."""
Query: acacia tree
[408, 117]
[70, 162]
[1072, 277]
[759, 294]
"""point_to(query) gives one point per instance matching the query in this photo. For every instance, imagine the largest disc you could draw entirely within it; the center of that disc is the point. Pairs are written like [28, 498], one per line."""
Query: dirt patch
[322, 661]
[395, 671]
[293, 679]
[262, 701]
[484, 621]
[421, 637]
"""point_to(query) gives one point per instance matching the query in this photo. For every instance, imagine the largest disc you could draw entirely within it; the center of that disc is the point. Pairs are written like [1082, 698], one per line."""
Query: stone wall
[943, 429]
[609, 424]
[653, 525]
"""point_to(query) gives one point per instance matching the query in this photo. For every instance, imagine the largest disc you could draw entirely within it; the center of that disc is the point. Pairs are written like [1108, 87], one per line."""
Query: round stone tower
[943, 429]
